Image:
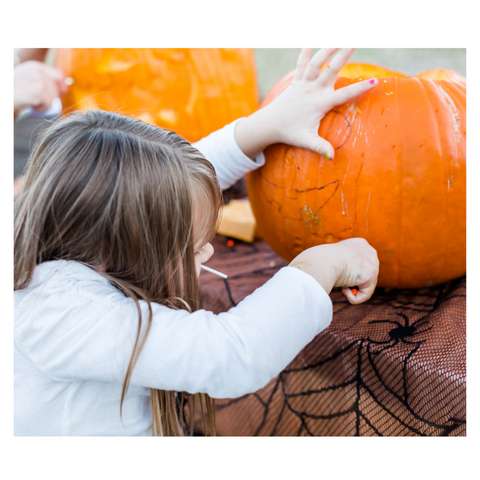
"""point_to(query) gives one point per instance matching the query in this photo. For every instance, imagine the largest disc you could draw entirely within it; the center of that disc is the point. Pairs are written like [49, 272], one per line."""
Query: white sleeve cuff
[222, 150]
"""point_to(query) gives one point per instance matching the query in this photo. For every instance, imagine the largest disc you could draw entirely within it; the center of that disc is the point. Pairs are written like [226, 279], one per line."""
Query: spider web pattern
[393, 366]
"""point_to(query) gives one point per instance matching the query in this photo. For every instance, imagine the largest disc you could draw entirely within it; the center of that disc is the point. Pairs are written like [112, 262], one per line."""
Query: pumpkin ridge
[460, 90]
[442, 160]
[450, 105]
[399, 253]
[284, 235]
[357, 179]
[458, 87]
[319, 182]
[291, 188]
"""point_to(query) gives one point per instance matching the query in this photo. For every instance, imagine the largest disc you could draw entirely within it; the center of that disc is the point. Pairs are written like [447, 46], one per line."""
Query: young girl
[111, 230]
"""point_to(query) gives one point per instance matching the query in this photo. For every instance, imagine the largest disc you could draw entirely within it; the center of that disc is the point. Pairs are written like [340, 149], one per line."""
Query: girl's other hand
[361, 267]
[348, 263]
[36, 85]
[294, 116]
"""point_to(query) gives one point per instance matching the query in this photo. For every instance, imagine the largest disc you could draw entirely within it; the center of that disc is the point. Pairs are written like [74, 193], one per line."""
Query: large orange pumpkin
[193, 91]
[398, 178]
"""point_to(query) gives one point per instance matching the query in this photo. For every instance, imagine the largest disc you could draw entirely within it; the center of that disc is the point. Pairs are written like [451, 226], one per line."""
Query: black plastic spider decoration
[400, 332]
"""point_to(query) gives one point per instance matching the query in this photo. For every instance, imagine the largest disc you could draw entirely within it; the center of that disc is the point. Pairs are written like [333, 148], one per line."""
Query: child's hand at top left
[294, 116]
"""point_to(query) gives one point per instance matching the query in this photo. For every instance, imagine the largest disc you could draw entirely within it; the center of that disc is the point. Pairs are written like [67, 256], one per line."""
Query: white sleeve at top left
[222, 150]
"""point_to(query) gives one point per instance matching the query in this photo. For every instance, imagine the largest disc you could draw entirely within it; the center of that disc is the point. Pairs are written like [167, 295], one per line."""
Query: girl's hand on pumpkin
[294, 116]
[300, 108]
[348, 263]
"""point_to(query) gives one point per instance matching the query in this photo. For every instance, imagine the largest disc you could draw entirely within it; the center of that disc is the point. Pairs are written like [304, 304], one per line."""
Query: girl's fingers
[353, 299]
[302, 63]
[313, 69]
[360, 297]
[349, 295]
[330, 73]
[345, 94]
[320, 145]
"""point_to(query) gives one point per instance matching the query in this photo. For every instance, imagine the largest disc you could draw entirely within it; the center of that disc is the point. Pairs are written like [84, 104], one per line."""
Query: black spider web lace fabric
[394, 366]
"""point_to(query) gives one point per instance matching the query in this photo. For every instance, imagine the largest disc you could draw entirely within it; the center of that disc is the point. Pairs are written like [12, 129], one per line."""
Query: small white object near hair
[55, 109]
[211, 270]
[69, 81]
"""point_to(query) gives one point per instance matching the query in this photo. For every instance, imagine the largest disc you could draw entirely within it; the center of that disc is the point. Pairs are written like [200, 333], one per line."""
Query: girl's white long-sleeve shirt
[75, 332]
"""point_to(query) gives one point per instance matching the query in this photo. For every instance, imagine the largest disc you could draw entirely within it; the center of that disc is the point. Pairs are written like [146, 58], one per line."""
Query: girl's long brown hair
[122, 197]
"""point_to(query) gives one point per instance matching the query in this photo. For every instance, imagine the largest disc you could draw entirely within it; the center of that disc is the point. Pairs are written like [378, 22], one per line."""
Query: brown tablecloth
[395, 365]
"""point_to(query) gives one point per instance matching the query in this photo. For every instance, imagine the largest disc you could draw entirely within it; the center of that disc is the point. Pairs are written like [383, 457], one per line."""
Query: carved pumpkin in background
[191, 91]
[398, 178]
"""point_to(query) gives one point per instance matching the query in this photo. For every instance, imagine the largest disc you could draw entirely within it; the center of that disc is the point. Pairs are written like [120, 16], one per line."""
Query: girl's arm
[222, 150]
[84, 329]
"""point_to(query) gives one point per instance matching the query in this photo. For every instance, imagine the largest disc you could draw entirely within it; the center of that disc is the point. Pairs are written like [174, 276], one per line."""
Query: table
[393, 366]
